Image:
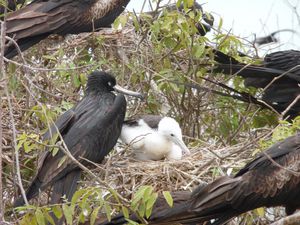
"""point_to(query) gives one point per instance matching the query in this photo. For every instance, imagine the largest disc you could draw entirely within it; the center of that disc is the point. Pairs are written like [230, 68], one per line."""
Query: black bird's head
[99, 81]
[102, 82]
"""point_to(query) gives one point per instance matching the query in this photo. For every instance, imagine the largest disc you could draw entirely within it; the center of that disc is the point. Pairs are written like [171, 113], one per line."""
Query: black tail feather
[23, 44]
[31, 192]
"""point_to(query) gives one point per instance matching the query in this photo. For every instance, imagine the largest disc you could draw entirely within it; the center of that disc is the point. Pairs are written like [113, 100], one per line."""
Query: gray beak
[128, 92]
[181, 144]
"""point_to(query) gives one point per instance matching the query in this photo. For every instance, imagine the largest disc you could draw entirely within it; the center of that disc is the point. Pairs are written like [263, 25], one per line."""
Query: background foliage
[145, 55]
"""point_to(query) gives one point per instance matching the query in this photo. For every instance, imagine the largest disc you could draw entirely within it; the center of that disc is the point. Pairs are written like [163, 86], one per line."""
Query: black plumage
[90, 130]
[151, 120]
[179, 197]
[271, 179]
[40, 18]
[282, 65]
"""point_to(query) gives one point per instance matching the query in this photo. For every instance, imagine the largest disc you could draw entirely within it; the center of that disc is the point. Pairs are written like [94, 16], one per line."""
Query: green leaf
[57, 211]
[49, 218]
[147, 193]
[260, 211]
[107, 211]
[115, 194]
[81, 217]
[125, 211]
[168, 198]
[138, 196]
[150, 203]
[141, 210]
[198, 51]
[94, 215]
[40, 217]
[68, 213]
[120, 21]
[77, 195]
[131, 222]
[151, 200]
[63, 159]
[28, 219]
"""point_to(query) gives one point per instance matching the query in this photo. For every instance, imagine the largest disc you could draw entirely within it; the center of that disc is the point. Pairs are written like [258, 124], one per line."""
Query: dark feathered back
[37, 20]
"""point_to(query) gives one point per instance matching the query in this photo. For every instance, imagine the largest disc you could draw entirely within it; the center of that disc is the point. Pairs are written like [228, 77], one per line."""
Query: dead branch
[289, 220]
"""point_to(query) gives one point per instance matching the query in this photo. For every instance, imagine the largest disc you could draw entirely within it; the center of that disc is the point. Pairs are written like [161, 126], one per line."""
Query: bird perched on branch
[154, 137]
[89, 130]
[271, 179]
[278, 75]
[36, 21]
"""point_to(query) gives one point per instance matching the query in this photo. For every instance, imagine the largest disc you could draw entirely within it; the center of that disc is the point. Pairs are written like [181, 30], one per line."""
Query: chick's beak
[182, 145]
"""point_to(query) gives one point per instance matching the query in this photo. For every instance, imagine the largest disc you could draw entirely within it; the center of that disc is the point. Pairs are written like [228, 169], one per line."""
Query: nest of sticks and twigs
[125, 174]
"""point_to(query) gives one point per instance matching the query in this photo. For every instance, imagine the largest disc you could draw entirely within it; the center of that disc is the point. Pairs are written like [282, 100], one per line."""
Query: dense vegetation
[146, 55]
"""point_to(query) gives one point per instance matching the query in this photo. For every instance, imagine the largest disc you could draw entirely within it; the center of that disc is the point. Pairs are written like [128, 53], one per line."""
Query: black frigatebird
[278, 75]
[90, 130]
[36, 21]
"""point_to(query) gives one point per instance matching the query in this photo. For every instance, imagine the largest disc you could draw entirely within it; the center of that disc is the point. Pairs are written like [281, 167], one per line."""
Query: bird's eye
[109, 83]
[172, 135]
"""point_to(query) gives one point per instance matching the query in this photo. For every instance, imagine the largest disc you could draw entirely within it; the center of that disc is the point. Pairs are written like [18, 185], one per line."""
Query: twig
[282, 75]
[290, 106]
[1, 123]
[16, 152]
[84, 168]
[289, 220]
[295, 173]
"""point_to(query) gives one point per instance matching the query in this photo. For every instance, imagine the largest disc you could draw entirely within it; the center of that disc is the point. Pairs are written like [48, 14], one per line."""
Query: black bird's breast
[98, 126]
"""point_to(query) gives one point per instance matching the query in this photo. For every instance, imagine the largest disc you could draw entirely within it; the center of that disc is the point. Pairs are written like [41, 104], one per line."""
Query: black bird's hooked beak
[128, 92]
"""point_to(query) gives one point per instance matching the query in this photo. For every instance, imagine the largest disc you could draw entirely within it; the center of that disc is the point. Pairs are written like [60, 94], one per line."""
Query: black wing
[62, 124]
[46, 17]
[284, 60]
[283, 65]
[266, 181]
[92, 135]
[39, 19]
[36, 21]
[276, 152]
[151, 120]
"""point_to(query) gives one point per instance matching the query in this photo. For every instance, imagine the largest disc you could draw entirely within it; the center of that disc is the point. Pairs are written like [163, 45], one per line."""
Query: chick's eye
[172, 135]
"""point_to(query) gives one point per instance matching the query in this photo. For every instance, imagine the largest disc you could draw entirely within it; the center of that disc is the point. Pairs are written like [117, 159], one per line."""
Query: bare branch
[2, 74]
[289, 220]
